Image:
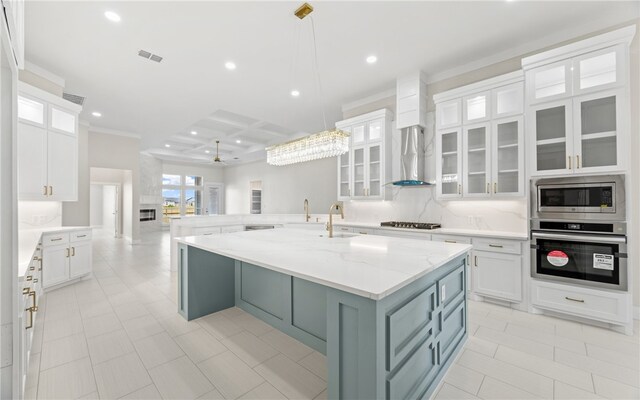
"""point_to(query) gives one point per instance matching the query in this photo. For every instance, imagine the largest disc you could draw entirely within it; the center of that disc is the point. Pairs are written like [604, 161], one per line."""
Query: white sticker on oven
[603, 261]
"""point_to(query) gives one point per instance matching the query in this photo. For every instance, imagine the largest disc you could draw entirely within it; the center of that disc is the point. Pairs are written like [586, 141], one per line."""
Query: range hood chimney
[411, 116]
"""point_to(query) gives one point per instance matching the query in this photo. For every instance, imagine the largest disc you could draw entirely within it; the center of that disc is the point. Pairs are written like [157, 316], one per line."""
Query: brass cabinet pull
[459, 189]
[569, 158]
[50, 190]
[32, 294]
[29, 278]
[576, 300]
[450, 241]
[32, 268]
[35, 280]
[488, 187]
[82, 236]
[67, 249]
[578, 162]
[363, 233]
[45, 192]
[30, 318]
[73, 251]
[495, 187]
[25, 290]
[499, 246]
[56, 239]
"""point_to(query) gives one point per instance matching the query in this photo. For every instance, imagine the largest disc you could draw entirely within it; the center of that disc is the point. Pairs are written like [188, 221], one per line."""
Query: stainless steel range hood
[412, 157]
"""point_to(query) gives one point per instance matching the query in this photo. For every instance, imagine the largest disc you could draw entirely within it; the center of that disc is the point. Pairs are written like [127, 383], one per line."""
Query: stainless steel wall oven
[578, 231]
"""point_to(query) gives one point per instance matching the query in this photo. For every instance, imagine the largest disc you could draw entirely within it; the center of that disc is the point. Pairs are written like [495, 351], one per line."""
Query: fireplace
[147, 214]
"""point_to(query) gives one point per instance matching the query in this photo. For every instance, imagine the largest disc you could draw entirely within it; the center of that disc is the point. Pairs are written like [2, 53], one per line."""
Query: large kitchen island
[389, 313]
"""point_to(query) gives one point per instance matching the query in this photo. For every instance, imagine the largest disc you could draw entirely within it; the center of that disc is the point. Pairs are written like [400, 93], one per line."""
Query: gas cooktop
[411, 225]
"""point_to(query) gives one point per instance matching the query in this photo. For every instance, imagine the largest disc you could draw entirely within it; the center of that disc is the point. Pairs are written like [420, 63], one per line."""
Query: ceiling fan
[217, 159]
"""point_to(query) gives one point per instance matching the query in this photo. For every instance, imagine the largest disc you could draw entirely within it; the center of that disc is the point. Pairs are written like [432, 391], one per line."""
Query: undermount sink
[338, 235]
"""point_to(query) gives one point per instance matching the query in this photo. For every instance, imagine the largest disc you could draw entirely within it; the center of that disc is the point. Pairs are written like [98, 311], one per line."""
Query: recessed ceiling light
[167, 145]
[207, 151]
[96, 114]
[111, 16]
[295, 93]
[194, 132]
[230, 65]
[372, 59]
[238, 141]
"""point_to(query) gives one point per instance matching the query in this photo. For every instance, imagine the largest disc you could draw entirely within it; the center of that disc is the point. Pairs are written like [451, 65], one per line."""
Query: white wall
[283, 188]
[210, 174]
[96, 207]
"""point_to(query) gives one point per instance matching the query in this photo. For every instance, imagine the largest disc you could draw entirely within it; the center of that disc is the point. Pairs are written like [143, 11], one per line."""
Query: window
[182, 195]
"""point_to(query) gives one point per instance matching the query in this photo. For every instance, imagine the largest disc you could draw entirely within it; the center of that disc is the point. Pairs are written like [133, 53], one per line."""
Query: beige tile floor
[118, 335]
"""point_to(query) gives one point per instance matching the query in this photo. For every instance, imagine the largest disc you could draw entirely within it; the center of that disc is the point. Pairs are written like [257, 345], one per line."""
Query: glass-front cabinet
[365, 169]
[578, 116]
[449, 165]
[483, 156]
[508, 156]
[476, 163]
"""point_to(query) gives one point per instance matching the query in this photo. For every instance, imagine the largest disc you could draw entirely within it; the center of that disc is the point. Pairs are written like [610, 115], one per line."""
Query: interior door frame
[205, 196]
[118, 217]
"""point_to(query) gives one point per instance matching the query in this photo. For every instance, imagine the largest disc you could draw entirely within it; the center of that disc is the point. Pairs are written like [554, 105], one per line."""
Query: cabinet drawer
[79, 236]
[450, 239]
[583, 302]
[498, 245]
[55, 239]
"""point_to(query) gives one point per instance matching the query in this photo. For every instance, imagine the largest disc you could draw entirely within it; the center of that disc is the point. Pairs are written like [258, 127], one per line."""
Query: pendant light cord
[319, 84]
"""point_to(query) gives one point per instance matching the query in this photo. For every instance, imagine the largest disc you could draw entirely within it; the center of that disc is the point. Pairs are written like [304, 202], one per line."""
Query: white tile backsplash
[39, 214]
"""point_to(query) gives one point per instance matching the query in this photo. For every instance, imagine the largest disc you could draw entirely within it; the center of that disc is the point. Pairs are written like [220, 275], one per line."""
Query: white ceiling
[191, 89]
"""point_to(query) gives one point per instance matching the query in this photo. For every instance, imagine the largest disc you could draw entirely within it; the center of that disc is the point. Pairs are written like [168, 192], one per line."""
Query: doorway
[105, 202]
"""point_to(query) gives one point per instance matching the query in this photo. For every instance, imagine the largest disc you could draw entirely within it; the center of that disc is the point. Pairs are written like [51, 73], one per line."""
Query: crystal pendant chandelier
[313, 147]
[328, 143]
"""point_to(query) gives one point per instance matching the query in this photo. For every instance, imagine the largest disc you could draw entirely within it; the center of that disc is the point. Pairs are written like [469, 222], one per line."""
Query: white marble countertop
[440, 231]
[28, 240]
[365, 265]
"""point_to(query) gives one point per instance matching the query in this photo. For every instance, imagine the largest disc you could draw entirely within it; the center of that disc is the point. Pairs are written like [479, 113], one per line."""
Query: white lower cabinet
[600, 305]
[65, 257]
[497, 275]
[55, 264]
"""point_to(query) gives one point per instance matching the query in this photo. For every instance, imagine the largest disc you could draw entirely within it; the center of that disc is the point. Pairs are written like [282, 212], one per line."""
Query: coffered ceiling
[191, 89]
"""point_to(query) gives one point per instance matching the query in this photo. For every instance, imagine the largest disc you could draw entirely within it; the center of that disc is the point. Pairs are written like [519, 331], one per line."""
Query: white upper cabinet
[63, 120]
[507, 100]
[31, 110]
[449, 114]
[598, 70]
[476, 107]
[47, 146]
[449, 164]
[578, 115]
[482, 154]
[550, 82]
[366, 168]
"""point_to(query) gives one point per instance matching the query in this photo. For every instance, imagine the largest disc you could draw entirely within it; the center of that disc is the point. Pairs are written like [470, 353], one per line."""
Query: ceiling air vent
[74, 98]
[149, 56]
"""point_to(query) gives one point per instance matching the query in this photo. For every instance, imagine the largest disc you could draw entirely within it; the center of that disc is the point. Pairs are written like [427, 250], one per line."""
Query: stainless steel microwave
[587, 197]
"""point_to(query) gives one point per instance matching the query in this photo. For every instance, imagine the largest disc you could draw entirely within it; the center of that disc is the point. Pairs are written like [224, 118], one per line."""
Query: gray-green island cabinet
[398, 346]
